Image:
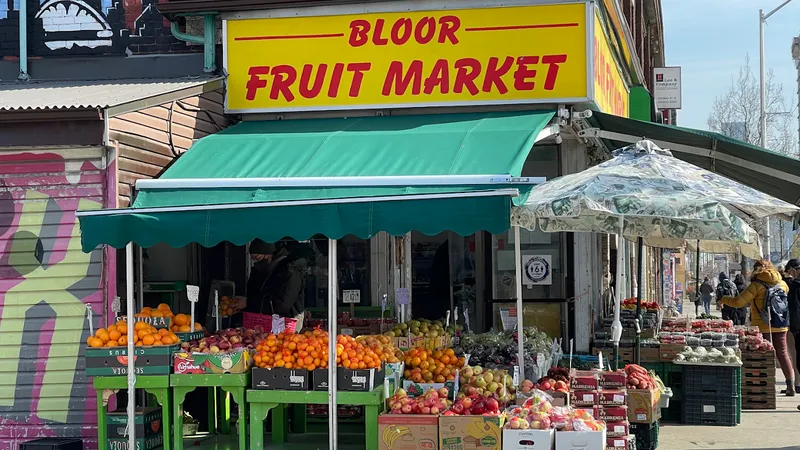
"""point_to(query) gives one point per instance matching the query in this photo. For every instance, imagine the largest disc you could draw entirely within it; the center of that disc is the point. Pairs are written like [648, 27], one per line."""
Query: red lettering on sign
[336, 79]
[494, 74]
[255, 82]
[395, 77]
[282, 78]
[306, 89]
[402, 29]
[440, 77]
[467, 71]
[358, 70]
[552, 62]
[524, 75]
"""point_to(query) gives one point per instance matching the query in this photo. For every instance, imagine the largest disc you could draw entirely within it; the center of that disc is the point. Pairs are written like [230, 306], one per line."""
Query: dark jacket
[794, 306]
[706, 288]
[277, 287]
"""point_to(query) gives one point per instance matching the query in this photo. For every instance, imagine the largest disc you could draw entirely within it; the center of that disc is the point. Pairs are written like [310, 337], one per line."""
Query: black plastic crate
[646, 435]
[53, 444]
[673, 414]
[673, 376]
[711, 380]
[711, 410]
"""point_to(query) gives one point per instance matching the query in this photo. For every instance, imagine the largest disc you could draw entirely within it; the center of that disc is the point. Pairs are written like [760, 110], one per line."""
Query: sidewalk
[760, 430]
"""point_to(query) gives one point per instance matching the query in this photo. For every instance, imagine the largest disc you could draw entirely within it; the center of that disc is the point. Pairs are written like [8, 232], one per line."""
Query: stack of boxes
[603, 394]
[758, 380]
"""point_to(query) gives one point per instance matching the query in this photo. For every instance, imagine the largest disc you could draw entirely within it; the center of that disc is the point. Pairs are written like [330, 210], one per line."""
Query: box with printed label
[613, 397]
[617, 429]
[110, 361]
[621, 443]
[643, 405]
[147, 422]
[612, 413]
[146, 443]
[470, 432]
[581, 440]
[408, 432]
[415, 389]
[281, 378]
[349, 380]
[528, 439]
[584, 398]
[212, 363]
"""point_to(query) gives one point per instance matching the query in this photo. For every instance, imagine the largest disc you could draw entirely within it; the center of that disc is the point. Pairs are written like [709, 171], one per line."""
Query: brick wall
[88, 28]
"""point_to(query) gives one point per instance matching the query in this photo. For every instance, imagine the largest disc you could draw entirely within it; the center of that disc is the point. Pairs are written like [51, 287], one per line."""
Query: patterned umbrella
[658, 197]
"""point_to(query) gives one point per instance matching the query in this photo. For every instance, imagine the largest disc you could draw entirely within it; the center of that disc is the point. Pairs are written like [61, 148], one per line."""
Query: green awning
[766, 171]
[212, 193]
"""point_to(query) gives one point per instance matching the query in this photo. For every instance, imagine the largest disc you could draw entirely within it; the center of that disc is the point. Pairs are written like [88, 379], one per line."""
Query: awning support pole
[520, 329]
[639, 288]
[616, 326]
[332, 369]
[131, 363]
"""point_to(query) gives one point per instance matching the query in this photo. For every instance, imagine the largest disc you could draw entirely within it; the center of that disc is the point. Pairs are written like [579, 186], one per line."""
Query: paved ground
[760, 430]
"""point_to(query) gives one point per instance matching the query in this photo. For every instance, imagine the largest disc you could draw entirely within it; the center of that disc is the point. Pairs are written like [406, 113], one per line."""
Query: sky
[710, 40]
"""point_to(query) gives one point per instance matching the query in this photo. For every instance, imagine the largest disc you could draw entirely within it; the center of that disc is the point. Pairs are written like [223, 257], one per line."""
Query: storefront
[384, 59]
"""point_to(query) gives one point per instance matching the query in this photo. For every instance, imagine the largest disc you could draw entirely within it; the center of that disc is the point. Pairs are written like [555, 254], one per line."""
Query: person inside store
[765, 276]
[793, 273]
[277, 280]
[706, 290]
[726, 288]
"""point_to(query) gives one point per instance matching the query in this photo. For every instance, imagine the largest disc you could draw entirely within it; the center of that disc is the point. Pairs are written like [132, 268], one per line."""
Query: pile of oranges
[382, 346]
[432, 366]
[352, 354]
[163, 310]
[307, 350]
[144, 335]
[181, 323]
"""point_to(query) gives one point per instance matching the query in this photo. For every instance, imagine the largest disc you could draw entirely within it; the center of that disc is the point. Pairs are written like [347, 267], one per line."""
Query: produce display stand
[234, 384]
[261, 402]
[157, 385]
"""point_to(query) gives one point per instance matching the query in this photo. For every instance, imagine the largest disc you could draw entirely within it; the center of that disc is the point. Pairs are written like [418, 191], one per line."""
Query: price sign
[402, 296]
[351, 296]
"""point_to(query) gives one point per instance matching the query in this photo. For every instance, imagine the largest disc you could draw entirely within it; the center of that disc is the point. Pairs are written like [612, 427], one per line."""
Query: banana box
[471, 432]
[408, 432]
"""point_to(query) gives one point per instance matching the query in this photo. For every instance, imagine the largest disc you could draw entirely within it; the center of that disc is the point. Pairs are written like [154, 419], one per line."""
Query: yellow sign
[530, 54]
[610, 89]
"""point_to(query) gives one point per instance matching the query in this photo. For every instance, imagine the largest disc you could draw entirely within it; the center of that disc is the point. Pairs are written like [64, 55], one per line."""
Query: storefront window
[544, 248]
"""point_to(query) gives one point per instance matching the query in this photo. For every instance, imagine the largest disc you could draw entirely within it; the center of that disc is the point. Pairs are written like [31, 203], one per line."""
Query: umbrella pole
[697, 280]
[333, 290]
[520, 334]
[616, 326]
[639, 283]
[131, 359]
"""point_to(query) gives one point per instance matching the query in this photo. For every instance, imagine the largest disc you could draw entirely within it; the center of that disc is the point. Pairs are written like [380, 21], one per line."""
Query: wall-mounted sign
[667, 87]
[611, 93]
[527, 54]
[537, 270]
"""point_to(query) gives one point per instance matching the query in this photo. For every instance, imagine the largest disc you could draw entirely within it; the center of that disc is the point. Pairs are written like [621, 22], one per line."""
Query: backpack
[726, 289]
[776, 306]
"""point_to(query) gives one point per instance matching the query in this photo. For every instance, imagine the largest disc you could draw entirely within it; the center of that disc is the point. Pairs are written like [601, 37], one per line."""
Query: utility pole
[762, 20]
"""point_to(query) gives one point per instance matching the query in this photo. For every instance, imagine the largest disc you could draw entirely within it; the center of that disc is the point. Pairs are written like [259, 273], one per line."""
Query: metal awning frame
[597, 133]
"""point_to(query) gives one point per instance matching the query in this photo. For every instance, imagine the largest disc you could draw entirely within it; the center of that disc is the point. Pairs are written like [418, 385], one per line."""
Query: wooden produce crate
[766, 373]
[765, 402]
[758, 360]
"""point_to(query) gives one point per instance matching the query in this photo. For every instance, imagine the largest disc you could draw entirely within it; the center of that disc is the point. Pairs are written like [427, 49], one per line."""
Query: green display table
[235, 384]
[261, 402]
[157, 385]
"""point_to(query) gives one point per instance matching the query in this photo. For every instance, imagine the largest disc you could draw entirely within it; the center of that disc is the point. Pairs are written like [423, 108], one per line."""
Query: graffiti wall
[46, 284]
[88, 27]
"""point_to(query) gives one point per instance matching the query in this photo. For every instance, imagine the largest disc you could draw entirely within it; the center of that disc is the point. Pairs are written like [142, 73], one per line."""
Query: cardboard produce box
[528, 439]
[581, 440]
[110, 361]
[147, 422]
[415, 389]
[408, 432]
[643, 405]
[470, 432]
[212, 363]
[281, 378]
[668, 352]
[349, 380]
[650, 354]
[559, 398]
[146, 443]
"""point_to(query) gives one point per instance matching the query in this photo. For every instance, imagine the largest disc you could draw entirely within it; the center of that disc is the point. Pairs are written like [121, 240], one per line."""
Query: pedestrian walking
[793, 273]
[763, 296]
[739, 282]
[706, 290]
[726, 288]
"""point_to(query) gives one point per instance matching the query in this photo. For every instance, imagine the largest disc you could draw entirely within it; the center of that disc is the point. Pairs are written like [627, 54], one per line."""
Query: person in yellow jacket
[753, 295]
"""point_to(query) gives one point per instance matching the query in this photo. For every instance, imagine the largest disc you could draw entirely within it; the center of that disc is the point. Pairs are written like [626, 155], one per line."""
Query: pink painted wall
[46, 281]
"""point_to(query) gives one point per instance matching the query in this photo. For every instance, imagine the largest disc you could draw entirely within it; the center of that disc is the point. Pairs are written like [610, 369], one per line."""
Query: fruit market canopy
[763, 170]
[359, 176]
